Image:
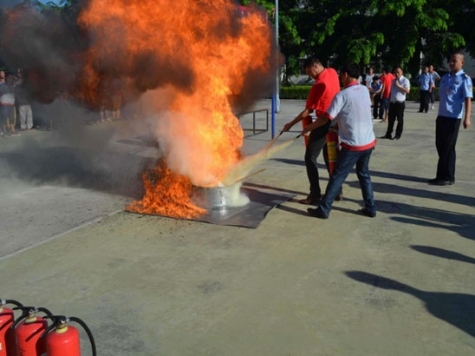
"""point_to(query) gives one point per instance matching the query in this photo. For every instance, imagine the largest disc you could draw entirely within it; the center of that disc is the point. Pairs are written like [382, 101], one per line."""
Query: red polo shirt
[325, 88]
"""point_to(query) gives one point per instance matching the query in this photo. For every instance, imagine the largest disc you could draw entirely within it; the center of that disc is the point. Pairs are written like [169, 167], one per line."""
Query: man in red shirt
[386, 79]
[326, 86]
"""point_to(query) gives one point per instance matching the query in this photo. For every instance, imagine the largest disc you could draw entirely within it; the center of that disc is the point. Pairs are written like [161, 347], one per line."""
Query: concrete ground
[400, 284]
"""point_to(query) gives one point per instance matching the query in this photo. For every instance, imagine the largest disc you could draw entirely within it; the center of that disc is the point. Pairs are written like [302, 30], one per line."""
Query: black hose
[11, 301]
[88, 331]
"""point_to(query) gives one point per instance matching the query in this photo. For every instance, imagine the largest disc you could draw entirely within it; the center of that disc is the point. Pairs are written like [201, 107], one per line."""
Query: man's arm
[405, 88]
[297, 119]
[468, 110]
[321, 120]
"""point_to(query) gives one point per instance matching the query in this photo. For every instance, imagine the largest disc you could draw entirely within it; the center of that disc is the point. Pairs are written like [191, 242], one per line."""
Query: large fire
[213, 51]
[204, 60]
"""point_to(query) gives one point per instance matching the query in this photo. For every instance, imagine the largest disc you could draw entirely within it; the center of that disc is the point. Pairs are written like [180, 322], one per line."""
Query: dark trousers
[396, 111]
[446, 133]
[424, 102]
[316, 143]
[345, 162]
[432, 96]
[377, 109]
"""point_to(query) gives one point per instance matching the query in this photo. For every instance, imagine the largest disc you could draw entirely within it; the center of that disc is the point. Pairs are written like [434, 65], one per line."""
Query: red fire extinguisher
[28, 329]
[332, 149]
[7, 335]
[64, 340]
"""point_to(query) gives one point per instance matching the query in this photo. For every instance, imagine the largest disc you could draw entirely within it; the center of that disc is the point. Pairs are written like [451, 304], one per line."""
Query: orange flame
[168, 187]
[200, 51]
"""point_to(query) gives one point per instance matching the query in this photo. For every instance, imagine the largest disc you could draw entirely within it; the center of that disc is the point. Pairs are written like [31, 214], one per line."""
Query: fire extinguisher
[64, 340]
[28, 329]
[332, 149]
[7, 335]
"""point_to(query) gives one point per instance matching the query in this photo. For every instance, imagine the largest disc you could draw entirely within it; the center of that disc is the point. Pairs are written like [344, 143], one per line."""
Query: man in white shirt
[397, 103]
[351, 108]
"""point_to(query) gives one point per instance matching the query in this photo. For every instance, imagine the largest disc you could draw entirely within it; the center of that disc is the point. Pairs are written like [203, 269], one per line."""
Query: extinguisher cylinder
[28, 334]
[7, 338]
[63, 341]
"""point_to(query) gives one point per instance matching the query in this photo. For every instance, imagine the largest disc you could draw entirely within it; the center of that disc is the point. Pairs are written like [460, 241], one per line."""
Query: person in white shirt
[397, 103]
[7, 107]
[351, 108]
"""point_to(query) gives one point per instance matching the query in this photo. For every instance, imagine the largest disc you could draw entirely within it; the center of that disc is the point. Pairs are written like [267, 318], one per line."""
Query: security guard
[455, 94]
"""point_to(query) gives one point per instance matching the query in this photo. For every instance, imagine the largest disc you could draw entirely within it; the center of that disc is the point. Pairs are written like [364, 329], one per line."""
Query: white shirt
[398, 94]
[351, 108]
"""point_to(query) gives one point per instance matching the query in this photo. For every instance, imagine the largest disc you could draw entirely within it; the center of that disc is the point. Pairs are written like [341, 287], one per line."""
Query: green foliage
[390, 32]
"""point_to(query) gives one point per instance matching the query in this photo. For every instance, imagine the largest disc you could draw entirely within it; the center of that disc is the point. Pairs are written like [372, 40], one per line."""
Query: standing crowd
[14, 102]
[351, 112]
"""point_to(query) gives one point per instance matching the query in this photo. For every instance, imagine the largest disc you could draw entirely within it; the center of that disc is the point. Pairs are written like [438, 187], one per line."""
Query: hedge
[301, 92]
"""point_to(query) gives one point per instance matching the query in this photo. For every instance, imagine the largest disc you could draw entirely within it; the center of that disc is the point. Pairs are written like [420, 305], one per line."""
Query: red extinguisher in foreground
[7, 335]
[28, 329]
[63, 339]
[332, 149]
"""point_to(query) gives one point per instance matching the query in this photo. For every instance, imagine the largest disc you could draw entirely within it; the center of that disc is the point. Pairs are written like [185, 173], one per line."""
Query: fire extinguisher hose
[88, 332]
[10, 301]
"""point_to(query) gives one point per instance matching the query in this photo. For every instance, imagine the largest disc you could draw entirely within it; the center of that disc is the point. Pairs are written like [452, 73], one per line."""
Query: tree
[363, 31]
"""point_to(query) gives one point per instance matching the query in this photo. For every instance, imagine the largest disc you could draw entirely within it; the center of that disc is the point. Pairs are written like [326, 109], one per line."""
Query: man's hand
[287, 127]
[306, 131]
[466, 123]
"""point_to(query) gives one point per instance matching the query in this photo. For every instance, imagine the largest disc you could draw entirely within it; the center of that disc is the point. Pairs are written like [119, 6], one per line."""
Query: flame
[204, 55]
[170, 187]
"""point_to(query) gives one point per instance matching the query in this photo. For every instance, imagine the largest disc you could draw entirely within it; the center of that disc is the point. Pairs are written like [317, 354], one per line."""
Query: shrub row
[301, 92]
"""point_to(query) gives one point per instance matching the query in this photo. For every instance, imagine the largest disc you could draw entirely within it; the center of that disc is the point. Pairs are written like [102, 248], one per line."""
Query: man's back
[387, 80]
[326, 86]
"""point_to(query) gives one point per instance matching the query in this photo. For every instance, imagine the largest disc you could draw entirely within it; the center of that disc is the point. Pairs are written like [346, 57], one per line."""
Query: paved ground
[399, 284]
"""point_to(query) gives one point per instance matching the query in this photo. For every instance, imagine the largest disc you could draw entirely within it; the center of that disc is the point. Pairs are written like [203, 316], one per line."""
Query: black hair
[352, 69]
[310, 61]
[375, 78]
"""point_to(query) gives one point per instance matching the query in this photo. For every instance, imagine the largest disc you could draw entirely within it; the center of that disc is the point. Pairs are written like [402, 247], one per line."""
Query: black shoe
[310, 201]
[420, 111]
[367, 213]
[437, 181]
[387, 137]
[396, 137]
[317, 213]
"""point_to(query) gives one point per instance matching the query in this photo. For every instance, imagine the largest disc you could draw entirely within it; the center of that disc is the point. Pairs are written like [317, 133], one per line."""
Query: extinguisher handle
[28, 311]
[10, 301]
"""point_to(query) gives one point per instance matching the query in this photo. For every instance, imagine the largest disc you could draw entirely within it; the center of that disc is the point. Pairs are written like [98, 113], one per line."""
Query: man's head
[386, 70]
[375, 79]
[313, 67]
[2, 74]
[9, 79]
[398, 72]
[370, 70]
[349, 73]
[431, 68]
[425, 69]
[456, 62]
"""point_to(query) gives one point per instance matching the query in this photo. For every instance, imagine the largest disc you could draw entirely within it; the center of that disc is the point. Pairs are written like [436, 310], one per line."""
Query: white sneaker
[432, 107]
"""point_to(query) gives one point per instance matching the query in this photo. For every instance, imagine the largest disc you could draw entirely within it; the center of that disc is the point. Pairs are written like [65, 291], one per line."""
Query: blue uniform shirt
[454, 88]
[425, 81]
[376, 86]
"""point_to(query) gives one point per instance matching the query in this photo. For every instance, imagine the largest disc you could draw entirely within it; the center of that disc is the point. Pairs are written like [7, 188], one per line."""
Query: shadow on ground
[456, 309]
[439, 252]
